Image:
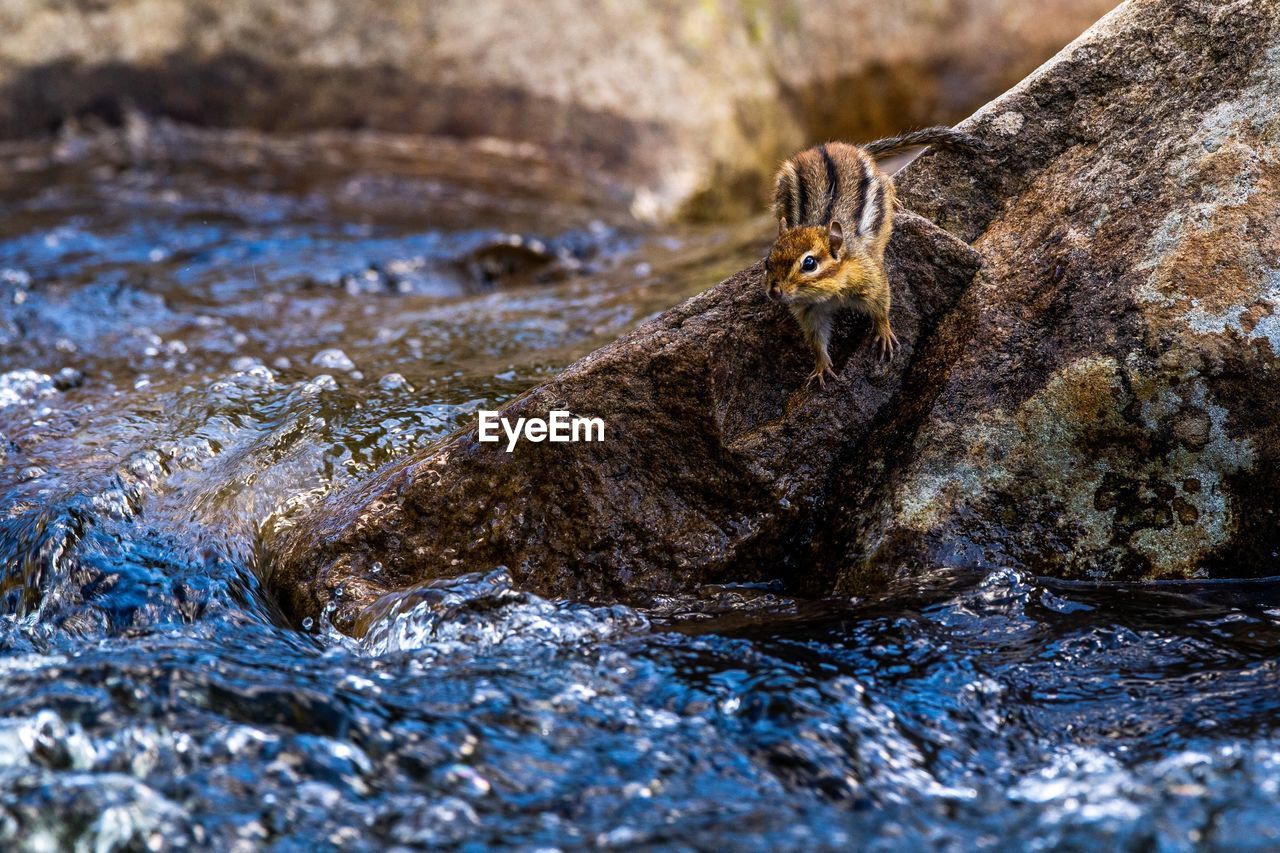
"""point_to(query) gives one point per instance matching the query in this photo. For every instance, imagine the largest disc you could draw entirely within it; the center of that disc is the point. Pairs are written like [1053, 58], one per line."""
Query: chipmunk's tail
[893, 154]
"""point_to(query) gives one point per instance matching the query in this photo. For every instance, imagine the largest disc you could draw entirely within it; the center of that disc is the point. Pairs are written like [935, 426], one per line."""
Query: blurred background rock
[676, 108]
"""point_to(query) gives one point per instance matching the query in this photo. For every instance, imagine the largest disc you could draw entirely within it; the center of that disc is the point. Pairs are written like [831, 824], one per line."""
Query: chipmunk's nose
[775, 292]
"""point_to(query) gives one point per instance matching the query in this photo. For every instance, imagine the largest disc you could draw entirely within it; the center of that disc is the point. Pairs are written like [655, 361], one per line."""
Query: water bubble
[466, 781]
[394, 382]
[323, 382]
[23, 387]
[15, 277]
[333, 359]
[67, 378]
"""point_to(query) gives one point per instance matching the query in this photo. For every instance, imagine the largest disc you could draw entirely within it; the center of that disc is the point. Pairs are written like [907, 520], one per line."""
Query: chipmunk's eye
[809, 264]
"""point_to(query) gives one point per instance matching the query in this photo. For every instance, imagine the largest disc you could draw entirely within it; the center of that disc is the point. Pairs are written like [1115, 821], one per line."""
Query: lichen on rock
[1122, 496]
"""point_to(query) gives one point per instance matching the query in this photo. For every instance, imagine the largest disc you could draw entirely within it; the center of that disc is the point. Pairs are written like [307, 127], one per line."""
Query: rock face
[688, 105]
[1099, 403]
[1102, 402]
[716, 461]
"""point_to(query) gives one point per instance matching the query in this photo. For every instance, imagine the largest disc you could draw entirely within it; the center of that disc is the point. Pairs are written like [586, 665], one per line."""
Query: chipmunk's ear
[782, 225]
[835, 237]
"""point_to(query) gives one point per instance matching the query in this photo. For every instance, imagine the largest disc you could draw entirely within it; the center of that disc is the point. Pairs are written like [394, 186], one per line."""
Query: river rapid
[202, 334]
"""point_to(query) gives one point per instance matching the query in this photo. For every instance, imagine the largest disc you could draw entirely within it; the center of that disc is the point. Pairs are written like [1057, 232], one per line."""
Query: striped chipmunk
[834, 204]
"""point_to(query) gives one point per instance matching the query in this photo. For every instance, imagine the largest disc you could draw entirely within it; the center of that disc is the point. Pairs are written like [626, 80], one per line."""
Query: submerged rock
[1102, 403]
[715, 463]
[1099, 403]
[685, 105]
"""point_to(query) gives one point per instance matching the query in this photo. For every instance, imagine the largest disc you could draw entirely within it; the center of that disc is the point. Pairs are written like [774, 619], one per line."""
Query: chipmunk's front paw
[887, 344]
[821, 374]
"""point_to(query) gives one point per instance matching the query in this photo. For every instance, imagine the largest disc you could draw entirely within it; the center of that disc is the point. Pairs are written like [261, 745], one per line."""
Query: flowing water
[202, 335]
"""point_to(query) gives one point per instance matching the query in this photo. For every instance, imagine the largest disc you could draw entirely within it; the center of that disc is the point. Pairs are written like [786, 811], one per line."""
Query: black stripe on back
[879, 218]
[864, 181]
[833, 184]
[802, 195]
[783, 199]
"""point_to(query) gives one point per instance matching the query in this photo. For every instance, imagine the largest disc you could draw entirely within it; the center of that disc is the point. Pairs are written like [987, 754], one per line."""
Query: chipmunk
[834, 205]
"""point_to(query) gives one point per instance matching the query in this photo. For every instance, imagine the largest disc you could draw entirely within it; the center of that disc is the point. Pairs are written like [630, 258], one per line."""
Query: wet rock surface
[1102, 401]
[715, 461]
[687, 105]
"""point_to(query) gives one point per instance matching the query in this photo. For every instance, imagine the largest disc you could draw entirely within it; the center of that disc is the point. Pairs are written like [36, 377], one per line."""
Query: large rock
[1099, 403]
[716, 463]
[1102, 403]
[687, 105]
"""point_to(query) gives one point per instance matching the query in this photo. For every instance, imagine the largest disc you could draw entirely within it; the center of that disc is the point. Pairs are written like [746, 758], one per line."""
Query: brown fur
[850, 273]
[833, 202]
